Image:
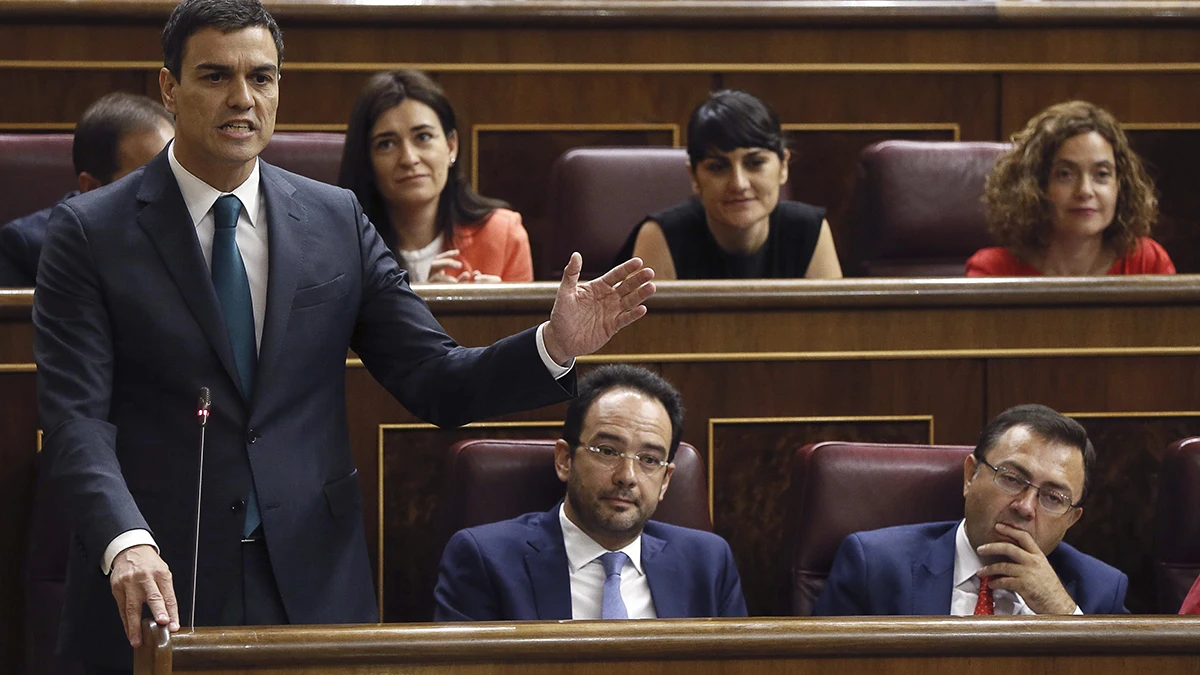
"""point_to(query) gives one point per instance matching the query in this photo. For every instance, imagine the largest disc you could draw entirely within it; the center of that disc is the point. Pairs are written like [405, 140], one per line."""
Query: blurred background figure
[401, 160]
[1070, 199]
[117, 134]
[736, 227]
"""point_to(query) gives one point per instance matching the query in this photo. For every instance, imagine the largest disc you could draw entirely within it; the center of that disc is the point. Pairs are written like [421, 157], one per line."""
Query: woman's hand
[444, 269]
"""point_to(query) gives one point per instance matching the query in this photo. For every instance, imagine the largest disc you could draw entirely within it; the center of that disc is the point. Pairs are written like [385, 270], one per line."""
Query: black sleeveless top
[791, 240]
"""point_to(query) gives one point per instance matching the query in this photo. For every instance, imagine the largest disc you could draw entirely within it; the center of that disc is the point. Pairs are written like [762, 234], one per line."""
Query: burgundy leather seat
[598, 195]
[35, 172]
[916, 210]
[841, 488]
[1177, 524]
[316, 155]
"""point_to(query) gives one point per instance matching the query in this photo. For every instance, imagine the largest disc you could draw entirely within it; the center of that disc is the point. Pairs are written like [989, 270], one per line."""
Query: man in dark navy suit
[594, 555]
[117, 134]
[210, 268]
[1023, 487]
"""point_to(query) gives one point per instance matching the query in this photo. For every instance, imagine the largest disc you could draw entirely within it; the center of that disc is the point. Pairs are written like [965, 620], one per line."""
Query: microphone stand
[202, 412]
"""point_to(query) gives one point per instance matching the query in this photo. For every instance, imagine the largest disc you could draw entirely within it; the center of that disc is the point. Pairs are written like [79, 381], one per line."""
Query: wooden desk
[917, 646]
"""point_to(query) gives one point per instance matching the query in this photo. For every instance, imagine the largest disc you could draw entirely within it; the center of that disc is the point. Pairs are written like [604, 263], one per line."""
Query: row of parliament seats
[837, 488]
[915, 211]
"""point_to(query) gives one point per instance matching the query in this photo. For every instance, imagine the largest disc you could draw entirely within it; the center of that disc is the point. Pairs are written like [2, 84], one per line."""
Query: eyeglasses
[610, 457]
[1013, 483]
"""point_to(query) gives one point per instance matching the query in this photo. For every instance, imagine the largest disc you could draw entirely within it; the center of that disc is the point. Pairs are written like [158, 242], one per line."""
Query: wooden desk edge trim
[686, 639]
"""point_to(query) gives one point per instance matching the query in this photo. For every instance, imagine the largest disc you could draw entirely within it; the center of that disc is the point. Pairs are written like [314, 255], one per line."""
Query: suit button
[237, 506]
[252, 436]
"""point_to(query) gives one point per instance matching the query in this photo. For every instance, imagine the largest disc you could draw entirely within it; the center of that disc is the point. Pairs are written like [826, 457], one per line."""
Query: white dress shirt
[252, 235]
[587, 574]
[966, 584]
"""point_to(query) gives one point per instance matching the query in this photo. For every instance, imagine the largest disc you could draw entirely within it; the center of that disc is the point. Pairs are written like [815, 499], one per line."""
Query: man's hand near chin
[1025, 570]
[140, 577]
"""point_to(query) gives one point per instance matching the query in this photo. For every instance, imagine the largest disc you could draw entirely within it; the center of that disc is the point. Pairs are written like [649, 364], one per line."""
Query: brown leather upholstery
[841, 488]
[916, 209]
[1177, 524]
[35, 172]
[598, 195]
[315, 155]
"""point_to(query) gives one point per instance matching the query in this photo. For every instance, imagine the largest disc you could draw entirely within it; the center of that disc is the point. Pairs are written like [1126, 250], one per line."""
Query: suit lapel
[286, 244]
[669, 602]
[933, 578]
[548, 569]
[165, 220]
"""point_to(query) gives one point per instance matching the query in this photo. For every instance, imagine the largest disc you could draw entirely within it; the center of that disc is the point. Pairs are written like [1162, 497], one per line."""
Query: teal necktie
[233, 291]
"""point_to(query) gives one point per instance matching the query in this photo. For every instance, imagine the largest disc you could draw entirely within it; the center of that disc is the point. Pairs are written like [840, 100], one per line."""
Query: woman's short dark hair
[1015, 192]
[191, 16]
[458, 204]
[731, 119]
[105, 123]
[1047, 424]
[620, 376]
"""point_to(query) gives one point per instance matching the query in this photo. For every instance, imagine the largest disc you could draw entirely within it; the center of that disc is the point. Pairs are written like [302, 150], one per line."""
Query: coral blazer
[496, 245]
[1148, 257]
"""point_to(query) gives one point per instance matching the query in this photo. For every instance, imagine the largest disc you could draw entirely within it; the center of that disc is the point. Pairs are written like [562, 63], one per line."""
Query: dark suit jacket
[517, 570]
[909, 570]
[21, 247]
[128, 328]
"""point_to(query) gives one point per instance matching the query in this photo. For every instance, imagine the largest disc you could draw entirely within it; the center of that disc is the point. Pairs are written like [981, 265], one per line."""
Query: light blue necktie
[233, 291]
[612, 605]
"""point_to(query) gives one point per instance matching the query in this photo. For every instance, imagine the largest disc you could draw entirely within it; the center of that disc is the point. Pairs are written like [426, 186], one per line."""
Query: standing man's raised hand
[586, 315]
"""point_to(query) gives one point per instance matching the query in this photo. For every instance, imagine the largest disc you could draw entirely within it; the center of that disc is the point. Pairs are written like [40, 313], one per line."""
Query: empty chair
[1177, 524]
[839, 488]
[916, 210]
[598, 195]
[36, 170]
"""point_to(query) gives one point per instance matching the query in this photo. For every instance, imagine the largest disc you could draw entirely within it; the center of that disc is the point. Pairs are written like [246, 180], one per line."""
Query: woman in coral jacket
[1070, 199]
[400, 160]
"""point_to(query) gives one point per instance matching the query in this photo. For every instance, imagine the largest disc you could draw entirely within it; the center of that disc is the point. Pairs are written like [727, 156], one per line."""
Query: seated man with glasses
[1023, 487]
[594, 555]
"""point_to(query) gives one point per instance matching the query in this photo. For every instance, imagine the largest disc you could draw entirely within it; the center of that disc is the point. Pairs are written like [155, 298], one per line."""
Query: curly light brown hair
[1015, 192]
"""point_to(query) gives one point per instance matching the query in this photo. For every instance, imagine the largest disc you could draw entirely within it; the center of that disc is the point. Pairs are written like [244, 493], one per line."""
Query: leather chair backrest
[840, 488]
[316, 155]
[916, 209]
[36, 170]
[598, 195]
[1177, 524]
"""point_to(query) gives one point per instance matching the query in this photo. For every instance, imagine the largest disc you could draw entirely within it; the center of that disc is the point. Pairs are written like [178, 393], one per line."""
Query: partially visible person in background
[1070, 199]
[736, 227]
[401, 161]
[117, 134]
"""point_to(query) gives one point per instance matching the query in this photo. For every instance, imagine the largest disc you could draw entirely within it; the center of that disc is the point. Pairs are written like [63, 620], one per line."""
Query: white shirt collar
[966, 560]
[582, 549]
[200, 196]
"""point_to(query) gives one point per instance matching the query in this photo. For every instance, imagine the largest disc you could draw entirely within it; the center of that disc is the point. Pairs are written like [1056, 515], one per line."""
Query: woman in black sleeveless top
[736, 227]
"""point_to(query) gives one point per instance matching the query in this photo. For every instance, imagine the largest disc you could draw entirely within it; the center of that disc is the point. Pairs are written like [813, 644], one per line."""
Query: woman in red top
[1070, 199]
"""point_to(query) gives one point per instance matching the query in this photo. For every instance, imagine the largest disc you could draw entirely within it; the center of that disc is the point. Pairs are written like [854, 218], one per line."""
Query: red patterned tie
[984, 606]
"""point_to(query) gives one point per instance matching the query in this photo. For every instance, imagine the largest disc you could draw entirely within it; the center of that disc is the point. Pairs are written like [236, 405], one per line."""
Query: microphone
[202, 411]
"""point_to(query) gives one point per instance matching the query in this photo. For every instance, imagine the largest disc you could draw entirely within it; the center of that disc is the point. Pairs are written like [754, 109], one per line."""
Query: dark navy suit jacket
[21, 246]
[517, 570]
[128, 328]
[909, 570]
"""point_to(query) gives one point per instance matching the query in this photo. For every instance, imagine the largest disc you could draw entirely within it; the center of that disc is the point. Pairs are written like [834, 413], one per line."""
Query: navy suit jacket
[909, 570]
[517, 570]
[21, 246]
[127, 330]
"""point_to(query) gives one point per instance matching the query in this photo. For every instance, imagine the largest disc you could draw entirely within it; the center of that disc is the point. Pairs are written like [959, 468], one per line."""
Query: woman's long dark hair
[458, 204]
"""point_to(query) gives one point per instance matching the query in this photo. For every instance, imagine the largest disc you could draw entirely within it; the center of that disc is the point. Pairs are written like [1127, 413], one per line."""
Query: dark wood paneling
[58, 96]
[1134, 98]
[1170, 157]
[18, 450]
[751, 466]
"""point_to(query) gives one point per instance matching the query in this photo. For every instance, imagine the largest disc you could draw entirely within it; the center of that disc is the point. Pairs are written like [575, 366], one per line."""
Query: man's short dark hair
[192, 16]
[99, 132]
[1047, 424]
[620, 376]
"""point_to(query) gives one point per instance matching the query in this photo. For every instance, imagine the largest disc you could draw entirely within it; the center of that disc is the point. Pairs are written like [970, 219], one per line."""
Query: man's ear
[969, 468]
[1078, 513]
[562, 459]
[88, 182]
[662, 492]
[166, 86]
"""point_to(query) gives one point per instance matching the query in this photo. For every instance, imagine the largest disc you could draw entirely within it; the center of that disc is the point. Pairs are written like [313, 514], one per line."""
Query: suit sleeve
[1119, 595]
[73, 346]
[409, 353]
[464, 590]
[845, 591]
[15, 268]
[733, 604]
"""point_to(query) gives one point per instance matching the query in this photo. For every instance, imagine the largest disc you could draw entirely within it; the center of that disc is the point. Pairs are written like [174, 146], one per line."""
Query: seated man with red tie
[1023, 487]
[594, 555]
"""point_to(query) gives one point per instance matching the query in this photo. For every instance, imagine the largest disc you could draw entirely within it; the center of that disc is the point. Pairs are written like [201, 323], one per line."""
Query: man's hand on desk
[586, 316]
[140, 577]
